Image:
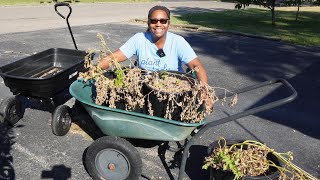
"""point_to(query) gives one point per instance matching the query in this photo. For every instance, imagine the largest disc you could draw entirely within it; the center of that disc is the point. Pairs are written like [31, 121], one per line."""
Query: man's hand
[207, 99]
[200, 71]
[117, 56]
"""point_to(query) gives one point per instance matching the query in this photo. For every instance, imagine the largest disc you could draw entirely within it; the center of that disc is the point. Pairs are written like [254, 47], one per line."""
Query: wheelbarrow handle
[62, 4]
[293, 95]
[67, 19]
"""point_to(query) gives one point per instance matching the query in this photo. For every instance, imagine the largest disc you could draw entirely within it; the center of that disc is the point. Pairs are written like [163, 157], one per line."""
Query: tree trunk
[297, 14]
[273, 17]
[273, 13]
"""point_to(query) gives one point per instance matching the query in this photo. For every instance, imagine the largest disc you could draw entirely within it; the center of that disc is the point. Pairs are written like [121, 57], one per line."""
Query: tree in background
[270, 4]
[299, 4]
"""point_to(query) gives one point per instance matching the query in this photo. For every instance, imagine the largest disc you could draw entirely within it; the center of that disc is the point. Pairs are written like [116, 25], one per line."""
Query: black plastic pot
[216, 174]
[121, 104]
[159, 107]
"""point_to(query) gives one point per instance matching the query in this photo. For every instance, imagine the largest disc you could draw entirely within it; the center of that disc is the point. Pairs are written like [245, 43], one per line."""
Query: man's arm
[117, 55]
[201, 73]
[203, 78]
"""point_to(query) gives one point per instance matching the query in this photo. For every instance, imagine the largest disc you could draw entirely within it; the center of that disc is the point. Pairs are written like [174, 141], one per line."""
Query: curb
[205, 29]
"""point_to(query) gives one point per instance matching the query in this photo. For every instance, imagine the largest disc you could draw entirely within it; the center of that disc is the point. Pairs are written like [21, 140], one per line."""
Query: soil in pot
[165, 90]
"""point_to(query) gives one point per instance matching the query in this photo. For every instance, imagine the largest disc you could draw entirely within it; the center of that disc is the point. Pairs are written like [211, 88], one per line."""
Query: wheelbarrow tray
[118, 122]
[44, 74]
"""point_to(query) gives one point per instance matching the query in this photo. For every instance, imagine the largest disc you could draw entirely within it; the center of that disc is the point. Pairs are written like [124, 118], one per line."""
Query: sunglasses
[155, 21]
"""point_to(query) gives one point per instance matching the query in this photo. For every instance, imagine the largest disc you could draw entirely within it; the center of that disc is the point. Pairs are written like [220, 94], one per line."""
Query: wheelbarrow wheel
[10, 111]
[61, 120]
[113, 158]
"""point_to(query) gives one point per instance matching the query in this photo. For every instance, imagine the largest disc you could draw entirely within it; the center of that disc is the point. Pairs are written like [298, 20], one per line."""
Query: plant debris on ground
[249, 158]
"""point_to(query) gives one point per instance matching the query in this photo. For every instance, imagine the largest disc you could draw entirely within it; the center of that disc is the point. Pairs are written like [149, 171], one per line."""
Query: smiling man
[158, 49]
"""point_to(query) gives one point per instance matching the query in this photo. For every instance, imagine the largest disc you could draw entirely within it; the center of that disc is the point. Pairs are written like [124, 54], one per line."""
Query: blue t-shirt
[177, 52]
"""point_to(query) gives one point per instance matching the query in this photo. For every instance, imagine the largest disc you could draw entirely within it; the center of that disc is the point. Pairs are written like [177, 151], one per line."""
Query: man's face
[158, 23]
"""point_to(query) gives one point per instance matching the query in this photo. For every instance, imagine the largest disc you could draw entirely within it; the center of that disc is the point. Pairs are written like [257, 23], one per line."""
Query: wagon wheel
[113, 158]
[61, 120]
[10, 111]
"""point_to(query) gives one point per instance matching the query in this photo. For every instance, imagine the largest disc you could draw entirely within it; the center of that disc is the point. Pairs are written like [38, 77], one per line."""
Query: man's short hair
[159, 8]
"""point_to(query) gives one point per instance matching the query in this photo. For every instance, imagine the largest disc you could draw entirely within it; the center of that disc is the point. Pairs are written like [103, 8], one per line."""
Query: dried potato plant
[249, 158]
[125, 87]
[178, 92]
[182, 92]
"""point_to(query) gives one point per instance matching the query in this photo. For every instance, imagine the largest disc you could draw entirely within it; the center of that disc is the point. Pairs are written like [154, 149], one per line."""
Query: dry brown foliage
[179, 91]
[249, 158]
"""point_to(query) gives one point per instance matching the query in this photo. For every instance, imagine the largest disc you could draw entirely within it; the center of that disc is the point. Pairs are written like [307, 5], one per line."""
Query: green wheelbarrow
[113, 157]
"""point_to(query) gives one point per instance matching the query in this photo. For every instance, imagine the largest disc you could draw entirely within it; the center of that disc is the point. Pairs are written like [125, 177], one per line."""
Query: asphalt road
[30, 150]
[31, 18]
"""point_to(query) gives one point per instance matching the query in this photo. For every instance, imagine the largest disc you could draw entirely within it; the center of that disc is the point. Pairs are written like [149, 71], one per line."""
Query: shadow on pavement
[193, 169]
[6, 160]
[302, 112]
[257, 60]
[58, 172]
[81, 118]
[195, 162]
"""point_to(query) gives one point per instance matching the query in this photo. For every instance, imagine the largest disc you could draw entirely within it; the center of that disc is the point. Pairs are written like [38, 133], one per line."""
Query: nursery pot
[216, 174]
[121, 104]
[159, 107]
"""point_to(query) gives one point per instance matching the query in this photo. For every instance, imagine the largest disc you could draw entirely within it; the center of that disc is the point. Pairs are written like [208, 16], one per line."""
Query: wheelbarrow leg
[162, 154]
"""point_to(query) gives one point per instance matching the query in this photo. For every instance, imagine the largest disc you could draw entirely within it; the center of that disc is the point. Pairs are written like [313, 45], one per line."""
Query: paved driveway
[31, 151]
[31, 18]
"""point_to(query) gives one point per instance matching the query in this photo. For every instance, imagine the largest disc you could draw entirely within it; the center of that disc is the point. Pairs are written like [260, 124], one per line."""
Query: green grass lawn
[306, 31]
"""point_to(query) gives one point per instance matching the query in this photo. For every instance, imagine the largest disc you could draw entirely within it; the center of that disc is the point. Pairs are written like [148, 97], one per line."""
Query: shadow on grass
[258, 22]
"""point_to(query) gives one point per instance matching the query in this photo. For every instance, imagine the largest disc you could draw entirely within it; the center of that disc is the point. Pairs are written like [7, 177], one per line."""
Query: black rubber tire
[61, 120]
[10, 111]
[109, 151]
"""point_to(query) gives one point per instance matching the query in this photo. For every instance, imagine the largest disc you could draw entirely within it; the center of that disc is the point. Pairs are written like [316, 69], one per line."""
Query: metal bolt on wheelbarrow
[42, 78]
[113, 157]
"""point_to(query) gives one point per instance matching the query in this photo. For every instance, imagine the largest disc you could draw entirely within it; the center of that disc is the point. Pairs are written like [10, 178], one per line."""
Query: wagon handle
[67, 19]
[240, 115]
